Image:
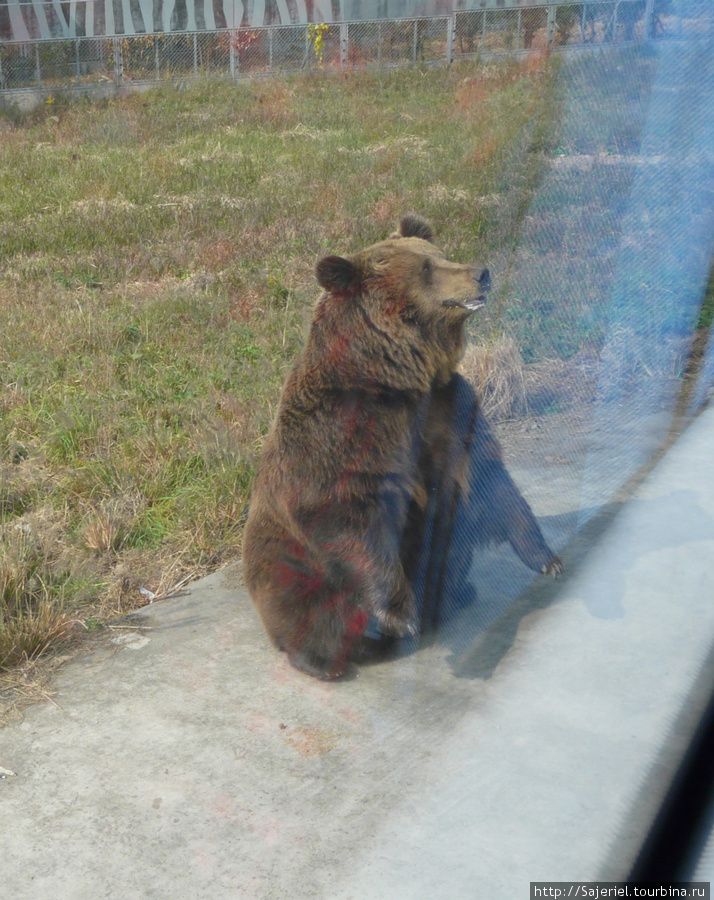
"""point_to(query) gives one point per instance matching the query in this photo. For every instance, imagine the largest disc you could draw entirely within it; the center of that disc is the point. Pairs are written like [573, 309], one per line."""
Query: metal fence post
[37, 66]
[270, 50]
[450, 39]
[156, 58]
[118, 62]
[232, 53]
[195, 53]
[344, 45]
[550, 27]
[415, 42]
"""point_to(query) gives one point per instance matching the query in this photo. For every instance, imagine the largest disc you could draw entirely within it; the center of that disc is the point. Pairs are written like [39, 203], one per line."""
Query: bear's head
[409, 292]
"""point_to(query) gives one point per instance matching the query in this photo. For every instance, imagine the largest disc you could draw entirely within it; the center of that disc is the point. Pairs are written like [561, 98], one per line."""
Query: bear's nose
[483, 277]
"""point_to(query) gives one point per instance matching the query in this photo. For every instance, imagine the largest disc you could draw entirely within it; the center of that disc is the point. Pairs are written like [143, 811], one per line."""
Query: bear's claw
[554, 567]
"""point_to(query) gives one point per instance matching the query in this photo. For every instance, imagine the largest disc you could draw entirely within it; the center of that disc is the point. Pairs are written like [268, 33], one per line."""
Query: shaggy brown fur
[339, 468]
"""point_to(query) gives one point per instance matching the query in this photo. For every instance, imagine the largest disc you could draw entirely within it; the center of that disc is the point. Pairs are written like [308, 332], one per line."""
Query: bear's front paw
[397, 623]
[554, 567]
[399, 617]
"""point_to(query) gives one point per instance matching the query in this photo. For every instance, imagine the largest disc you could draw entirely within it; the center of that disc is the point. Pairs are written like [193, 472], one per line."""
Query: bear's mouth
[469, 305]
[473, 305]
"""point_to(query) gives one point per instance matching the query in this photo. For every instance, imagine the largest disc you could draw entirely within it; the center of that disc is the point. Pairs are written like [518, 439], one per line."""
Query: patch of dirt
[311, 741]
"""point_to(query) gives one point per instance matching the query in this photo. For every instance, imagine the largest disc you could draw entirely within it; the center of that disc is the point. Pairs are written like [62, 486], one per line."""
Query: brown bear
[339, 470]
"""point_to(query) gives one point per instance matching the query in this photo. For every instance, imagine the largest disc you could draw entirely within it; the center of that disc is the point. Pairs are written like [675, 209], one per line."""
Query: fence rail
[82, 62]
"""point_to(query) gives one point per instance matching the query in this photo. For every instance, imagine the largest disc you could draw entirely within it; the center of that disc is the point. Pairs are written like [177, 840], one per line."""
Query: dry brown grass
[473, 92]
[470, 93]
[497, 373]
[482, 154]
[275, 105]
[508, 388]
[32, 683]
[105, 531]
[154, 299]
[33, 557]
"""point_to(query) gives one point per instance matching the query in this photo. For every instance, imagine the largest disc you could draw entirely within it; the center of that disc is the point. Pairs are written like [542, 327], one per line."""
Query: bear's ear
[336, 274]
[412, 226]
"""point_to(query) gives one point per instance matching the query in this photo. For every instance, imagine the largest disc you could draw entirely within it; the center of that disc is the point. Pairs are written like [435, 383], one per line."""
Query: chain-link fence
[580, 24]
[83, 62]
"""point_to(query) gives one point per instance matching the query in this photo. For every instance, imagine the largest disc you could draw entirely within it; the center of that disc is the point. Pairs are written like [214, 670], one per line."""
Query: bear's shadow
[479, 627]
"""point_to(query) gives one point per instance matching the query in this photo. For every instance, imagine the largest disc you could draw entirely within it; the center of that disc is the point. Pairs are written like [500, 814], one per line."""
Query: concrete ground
[186, 759]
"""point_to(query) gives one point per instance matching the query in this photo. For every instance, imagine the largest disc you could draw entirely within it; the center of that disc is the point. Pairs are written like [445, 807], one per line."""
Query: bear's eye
[427, 268]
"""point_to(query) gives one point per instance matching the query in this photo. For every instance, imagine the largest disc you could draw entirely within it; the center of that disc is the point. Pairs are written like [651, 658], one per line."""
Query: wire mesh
[85, 61]
[18, 66]
[685, 18]
[368, 42]
[500, 31]
[213, 53]
[140, 60]
[431, 39]
[200, 53]
[95, 60]
[250, 51]
[57, 63]
[387, 43]
[289, 49]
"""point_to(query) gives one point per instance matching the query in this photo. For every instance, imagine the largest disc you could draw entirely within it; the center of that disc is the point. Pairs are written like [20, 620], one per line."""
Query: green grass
[156, 278]
[706, 316]
[156, 260]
